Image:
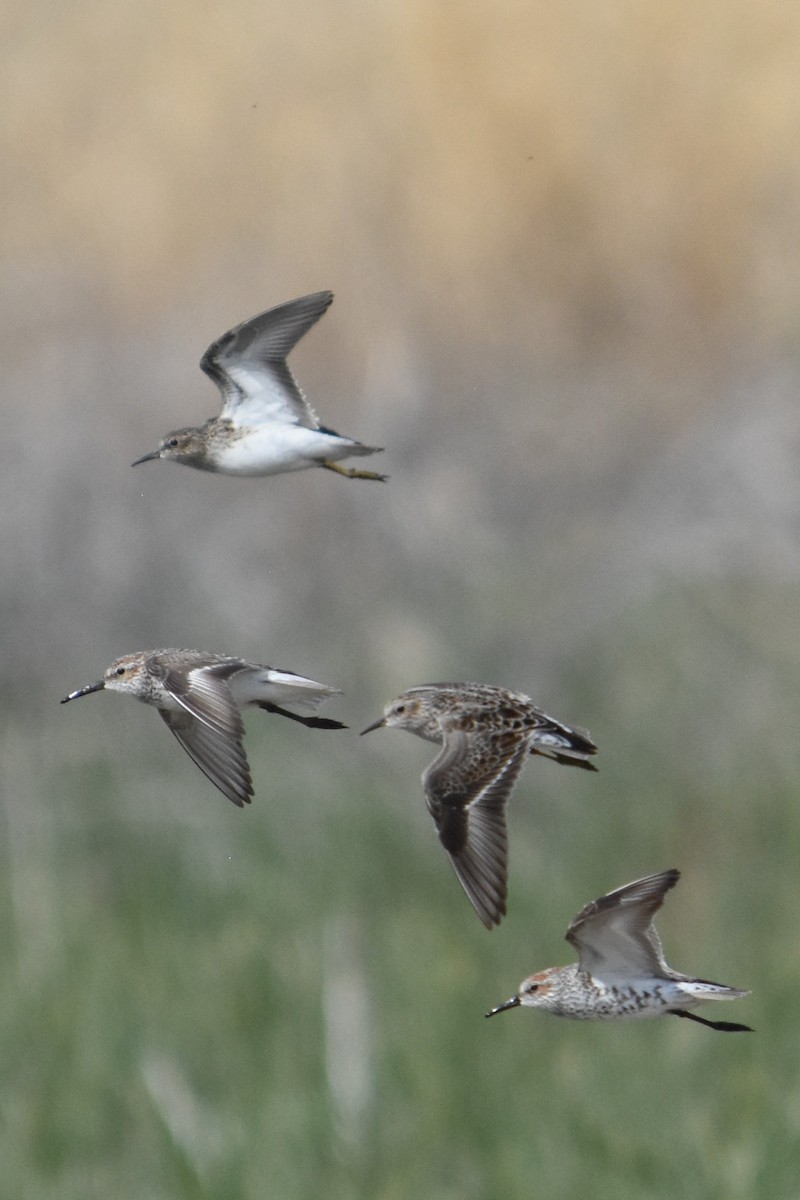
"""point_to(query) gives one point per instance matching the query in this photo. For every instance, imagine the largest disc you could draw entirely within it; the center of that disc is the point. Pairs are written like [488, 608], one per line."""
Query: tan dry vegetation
[560, 236]
[592, 173]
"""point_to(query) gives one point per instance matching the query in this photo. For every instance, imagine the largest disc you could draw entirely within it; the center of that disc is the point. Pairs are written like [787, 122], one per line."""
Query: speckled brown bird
[486, 734]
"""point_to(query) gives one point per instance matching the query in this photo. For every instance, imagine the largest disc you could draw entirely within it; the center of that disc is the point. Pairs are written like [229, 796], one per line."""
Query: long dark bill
[514, 1002]
[374, 725]
[84, 691]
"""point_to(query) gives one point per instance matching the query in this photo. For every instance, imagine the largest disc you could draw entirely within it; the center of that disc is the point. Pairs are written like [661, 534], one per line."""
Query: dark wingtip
[722, 1026]
[239, 798]
[309, 722]
[565, 759]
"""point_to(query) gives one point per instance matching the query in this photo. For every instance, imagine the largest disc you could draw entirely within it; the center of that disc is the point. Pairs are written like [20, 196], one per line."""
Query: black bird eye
[172, 443]
[401, 708]
[120, 671]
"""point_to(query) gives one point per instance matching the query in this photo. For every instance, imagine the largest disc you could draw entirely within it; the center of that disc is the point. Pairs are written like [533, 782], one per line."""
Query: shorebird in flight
[486, 734]
[266, 425]
[200, 697]
[621, 971]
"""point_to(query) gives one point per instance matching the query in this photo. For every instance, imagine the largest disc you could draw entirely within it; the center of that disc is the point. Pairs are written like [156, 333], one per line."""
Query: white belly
[273, 448]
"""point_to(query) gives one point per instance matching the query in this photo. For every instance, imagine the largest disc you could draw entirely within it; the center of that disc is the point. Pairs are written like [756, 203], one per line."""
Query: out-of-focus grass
[538, 290]
[289, 1001]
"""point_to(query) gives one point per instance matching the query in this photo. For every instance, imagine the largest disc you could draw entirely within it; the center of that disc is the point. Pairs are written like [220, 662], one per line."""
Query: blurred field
[202, 1002]
[563, 242]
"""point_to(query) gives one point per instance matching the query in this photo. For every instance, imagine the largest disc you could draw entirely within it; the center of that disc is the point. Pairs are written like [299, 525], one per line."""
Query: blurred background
[563, 243]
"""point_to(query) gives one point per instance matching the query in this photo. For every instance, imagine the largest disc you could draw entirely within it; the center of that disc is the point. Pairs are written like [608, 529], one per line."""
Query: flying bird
[200, 697]
[486, 734]
[266, 425]
[621, 971]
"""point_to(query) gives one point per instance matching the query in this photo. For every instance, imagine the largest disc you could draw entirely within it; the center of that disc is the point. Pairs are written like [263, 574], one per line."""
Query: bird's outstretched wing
[222, 759]
[614, 936]
[209, 726]
[467, 788]
[248, 364]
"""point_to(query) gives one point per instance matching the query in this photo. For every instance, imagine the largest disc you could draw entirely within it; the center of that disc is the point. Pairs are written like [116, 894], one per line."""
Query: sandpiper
[486, 733]
[200, 696]
[266, 425]
[621, 970]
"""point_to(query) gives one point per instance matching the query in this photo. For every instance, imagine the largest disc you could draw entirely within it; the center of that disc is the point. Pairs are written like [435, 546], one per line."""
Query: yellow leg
[352, 472]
